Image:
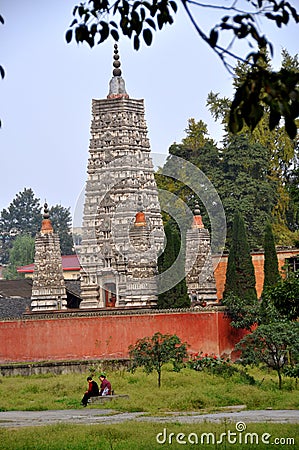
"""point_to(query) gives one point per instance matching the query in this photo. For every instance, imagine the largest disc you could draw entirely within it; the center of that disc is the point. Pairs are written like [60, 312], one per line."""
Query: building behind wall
[288, 257]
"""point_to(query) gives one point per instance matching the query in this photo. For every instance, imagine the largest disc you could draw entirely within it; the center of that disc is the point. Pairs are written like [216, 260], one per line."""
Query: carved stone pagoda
[122, 225]
[48, 288]
[200, 280]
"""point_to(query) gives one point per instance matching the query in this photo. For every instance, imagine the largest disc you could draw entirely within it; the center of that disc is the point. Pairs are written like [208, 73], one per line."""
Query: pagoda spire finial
[46, 214]
[196, 209]
[46, 223]
[117, 87]
[116, 63]
[197, 219]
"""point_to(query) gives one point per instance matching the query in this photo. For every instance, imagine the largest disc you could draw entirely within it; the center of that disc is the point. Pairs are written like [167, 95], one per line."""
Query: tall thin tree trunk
[279, 379]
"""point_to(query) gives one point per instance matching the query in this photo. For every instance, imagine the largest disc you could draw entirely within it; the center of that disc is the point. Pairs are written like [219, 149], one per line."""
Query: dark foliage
[23, 216]
[274, 344]
[177, 296]
[61, 220]
[284, 296]
[240, 278]
[218, 365]
[271, 273]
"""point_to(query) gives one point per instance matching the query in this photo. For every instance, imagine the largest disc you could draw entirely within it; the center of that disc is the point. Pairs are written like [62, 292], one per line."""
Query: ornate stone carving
[48, 289]
[119, 171]
[200, 278]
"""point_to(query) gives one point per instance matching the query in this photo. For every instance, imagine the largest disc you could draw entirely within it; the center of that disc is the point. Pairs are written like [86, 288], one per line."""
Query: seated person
[105, 385]
[93, 391]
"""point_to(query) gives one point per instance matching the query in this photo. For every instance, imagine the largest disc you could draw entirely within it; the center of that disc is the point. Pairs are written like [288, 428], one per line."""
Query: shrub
[292, 371]
[218, 365]
[200, 361]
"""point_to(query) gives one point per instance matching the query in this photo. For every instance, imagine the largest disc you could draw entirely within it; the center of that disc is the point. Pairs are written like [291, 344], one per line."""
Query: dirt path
[107, 416]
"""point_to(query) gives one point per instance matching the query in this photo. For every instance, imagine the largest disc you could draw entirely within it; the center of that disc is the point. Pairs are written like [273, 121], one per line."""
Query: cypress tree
[177, 296]
[240, 278]
[271, 272]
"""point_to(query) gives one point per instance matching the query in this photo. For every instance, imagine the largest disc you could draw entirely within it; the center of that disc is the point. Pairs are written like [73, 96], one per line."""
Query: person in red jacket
[105, 388]
[93, 391]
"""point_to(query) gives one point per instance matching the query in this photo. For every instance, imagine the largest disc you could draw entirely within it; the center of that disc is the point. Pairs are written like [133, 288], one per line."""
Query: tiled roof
[22, 288]
[13, 308]
[15, 296]
[69, 262]
[15, 288]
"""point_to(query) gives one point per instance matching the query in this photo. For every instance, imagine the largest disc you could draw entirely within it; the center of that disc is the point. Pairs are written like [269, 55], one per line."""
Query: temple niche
[200, 280]
[48, 286]
[118, 256]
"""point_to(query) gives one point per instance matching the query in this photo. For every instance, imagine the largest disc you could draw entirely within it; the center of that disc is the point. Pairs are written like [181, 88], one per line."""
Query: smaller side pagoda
[48, 289]
[200, 280]
[141, 287]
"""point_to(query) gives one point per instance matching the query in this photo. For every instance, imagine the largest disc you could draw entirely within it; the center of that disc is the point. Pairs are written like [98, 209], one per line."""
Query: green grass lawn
[187, 390]
[184, 391]
[143, 436]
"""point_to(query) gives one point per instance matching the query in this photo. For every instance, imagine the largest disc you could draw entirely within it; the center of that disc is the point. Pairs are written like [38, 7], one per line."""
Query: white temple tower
[116, 270]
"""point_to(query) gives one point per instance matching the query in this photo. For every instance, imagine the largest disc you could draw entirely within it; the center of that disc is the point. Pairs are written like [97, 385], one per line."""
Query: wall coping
[115, 312]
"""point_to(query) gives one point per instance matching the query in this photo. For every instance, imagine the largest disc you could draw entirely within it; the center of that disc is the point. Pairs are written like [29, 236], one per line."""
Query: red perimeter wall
[108, 336]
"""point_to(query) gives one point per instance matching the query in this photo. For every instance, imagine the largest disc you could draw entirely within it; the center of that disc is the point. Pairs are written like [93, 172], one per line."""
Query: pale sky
[47, 91]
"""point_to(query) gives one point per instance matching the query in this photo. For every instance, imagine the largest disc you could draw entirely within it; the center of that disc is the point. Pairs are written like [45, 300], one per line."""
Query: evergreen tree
[196, 134]
[247, 186]
[271, 272]
[293, 206]
[21, 253]
[199, 149]
[177, 296]
[240, 278]
[240, 174]
[280, 155]
[61, 222]
[23, 216]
